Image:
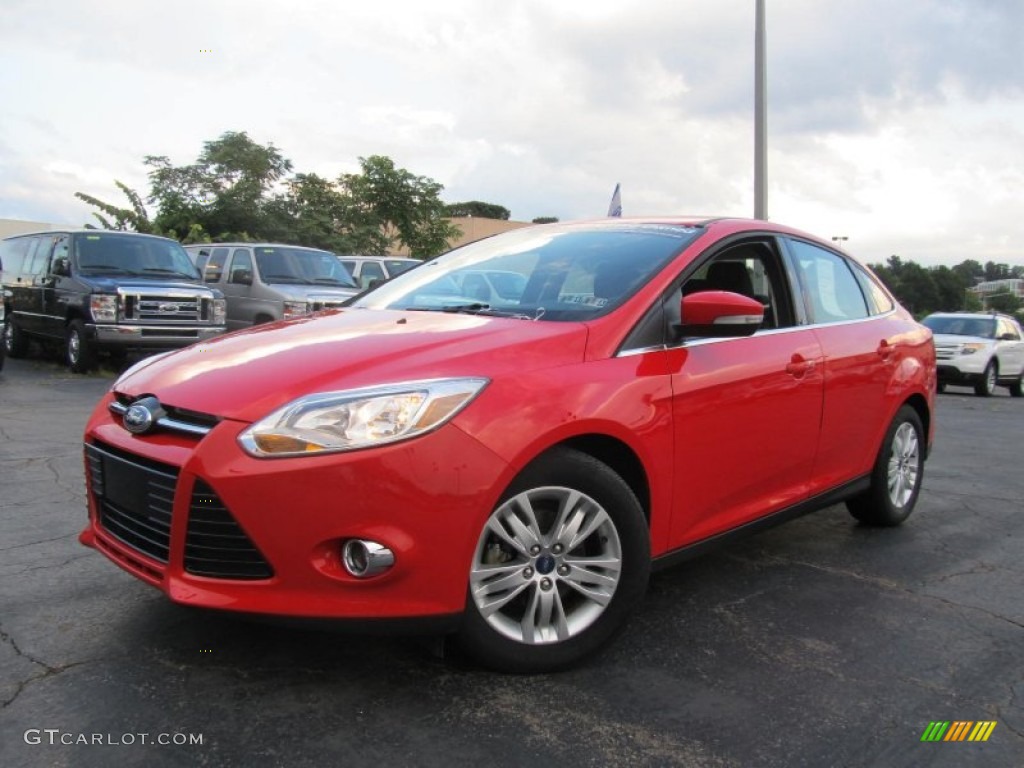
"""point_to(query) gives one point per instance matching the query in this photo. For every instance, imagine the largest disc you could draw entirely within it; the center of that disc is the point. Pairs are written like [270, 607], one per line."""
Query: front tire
[79, 352]
[558, 566]
[987, 383]
[896, 476]
[15, 343]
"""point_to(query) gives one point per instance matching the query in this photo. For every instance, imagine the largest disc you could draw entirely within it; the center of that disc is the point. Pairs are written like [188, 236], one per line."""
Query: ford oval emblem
[142, 415]
[138, 419]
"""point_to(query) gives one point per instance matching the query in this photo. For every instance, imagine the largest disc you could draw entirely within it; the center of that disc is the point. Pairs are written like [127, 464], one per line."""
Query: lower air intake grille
[215, 544]
[134, 497]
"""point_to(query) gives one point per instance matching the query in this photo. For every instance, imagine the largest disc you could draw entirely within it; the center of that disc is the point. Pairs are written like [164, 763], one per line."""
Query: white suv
[982, 350]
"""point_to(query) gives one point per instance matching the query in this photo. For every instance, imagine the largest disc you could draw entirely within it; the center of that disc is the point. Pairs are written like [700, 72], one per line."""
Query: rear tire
[79, 352]
[896, 476]
[15, 343]
[1017, 387]
[987, 383]
[558, 566]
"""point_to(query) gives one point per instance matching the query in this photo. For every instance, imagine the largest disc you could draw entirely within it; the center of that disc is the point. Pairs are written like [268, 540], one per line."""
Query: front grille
[316, 306]
[182, 420]
[215, 544]
[134, 497]
[180, 307]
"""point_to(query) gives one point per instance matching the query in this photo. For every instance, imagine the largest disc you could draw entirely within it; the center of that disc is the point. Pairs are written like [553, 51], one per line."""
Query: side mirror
[1008, 337]
[719, 314]
[61, 267]
[366, 283]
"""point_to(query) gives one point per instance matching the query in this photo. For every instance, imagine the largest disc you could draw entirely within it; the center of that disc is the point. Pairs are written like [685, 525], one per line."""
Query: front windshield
[982, 327]
[303, 266]
[138, 256]
[561, 272]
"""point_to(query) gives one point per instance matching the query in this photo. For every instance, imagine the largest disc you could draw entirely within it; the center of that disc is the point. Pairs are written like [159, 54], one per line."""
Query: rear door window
[831, 292]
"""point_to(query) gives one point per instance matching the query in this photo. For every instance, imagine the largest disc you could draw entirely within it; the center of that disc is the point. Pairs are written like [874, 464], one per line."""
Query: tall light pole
[760, 118]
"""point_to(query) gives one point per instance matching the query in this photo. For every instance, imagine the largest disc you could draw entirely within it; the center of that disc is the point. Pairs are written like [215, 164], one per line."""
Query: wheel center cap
[545, 564]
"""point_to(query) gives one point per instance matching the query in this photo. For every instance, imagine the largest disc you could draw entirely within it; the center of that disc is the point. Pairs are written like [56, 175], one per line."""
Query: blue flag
[615, 206]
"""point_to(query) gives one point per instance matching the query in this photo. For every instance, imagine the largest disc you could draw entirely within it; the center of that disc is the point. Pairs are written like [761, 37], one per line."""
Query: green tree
[1003, 301]
[240, 190]
[224, 190]
[404, 208]
[995, 271]
[479, 210]
[134, 219]
[950, 288]
[545, 220]
[911, 283]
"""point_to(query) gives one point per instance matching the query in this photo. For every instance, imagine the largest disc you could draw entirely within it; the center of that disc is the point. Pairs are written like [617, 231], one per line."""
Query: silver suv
[981, 349]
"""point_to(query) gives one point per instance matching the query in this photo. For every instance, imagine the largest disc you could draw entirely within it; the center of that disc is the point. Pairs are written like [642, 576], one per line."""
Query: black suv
[97, 290]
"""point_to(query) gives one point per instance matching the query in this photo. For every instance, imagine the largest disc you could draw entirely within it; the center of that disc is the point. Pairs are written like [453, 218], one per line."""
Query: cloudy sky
[896, 123]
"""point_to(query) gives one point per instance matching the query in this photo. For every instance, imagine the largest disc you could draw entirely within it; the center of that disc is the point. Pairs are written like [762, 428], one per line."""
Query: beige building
[10, 227]
[472, 228]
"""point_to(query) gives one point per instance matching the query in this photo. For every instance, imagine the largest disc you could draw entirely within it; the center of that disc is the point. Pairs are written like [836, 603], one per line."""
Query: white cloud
[893, 124]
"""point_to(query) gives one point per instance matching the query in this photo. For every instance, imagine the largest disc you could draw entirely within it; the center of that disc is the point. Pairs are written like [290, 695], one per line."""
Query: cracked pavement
[817, 643]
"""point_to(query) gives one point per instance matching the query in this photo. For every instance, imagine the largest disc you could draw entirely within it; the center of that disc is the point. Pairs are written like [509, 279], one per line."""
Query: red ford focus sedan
[508, 466]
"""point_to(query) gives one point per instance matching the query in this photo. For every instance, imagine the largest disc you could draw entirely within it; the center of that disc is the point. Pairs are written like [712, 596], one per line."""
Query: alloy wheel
[546, 566]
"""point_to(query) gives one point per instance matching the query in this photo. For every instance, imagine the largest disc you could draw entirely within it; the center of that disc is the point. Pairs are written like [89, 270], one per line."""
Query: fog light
[364, 559]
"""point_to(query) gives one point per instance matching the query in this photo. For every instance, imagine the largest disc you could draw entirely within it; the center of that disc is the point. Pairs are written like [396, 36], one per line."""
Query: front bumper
[953, 374]
[426, 499]
[151, 336]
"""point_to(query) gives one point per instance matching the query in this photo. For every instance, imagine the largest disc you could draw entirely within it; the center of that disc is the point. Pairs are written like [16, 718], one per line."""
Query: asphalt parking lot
[818, 643]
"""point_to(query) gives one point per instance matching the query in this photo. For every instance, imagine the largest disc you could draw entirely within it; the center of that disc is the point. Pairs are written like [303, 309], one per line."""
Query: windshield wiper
[332, 281]
[473, 308]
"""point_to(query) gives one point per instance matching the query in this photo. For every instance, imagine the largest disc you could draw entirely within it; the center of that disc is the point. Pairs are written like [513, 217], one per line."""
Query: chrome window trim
[166, 421]
[769, 332]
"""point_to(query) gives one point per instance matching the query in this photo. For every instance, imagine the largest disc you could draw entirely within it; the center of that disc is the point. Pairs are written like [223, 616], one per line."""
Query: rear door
[862, 349]
[34, 280]
[22, 300]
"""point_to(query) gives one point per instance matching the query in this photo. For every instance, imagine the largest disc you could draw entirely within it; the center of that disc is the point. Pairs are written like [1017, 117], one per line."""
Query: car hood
[105, 284]
[247, 374]
[291, 292]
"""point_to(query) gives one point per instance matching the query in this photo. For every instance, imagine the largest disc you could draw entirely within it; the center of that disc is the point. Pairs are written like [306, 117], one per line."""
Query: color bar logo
[958, 730]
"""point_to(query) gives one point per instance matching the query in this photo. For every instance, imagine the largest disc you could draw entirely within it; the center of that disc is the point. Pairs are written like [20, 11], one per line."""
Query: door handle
[799, 366]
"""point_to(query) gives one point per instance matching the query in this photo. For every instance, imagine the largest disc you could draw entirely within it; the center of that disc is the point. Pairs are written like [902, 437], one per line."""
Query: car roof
[255, 245]
[86, 231]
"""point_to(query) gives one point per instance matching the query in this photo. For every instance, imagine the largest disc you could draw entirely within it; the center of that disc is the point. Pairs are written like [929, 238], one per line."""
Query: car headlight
[359, 418]
[220, 311]
[294, 309]
[971, 347]
[103, 308]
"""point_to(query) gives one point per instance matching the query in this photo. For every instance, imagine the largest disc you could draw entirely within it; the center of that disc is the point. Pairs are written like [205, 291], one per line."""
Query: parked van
[264, 282]
[369, 271]
[94, 290]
